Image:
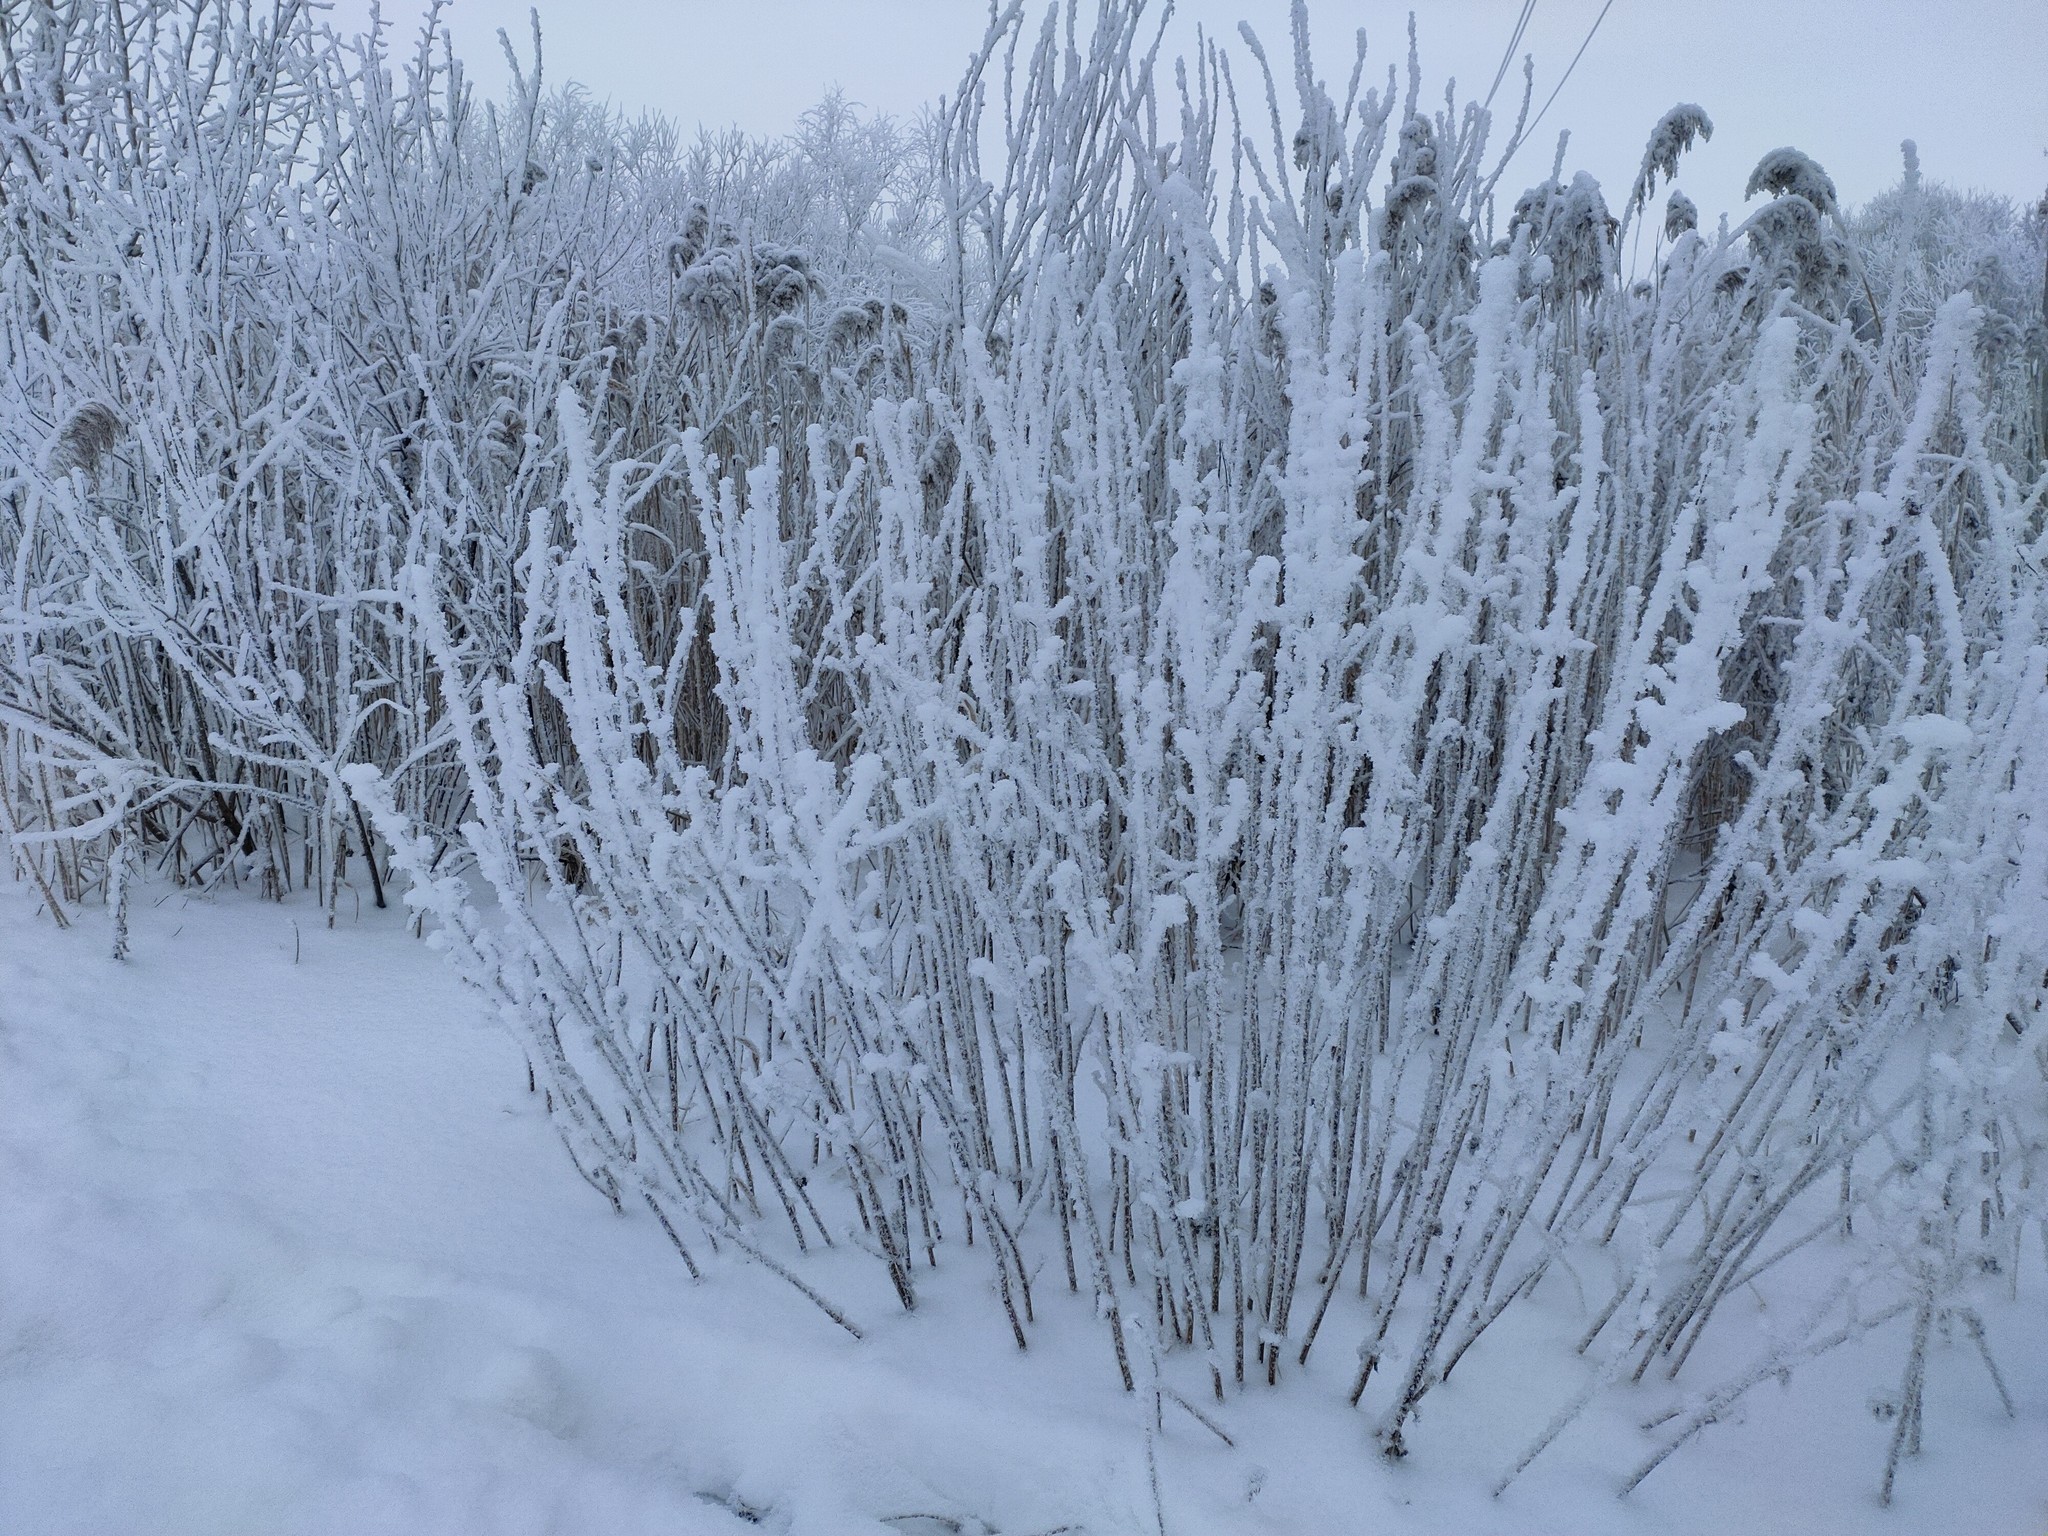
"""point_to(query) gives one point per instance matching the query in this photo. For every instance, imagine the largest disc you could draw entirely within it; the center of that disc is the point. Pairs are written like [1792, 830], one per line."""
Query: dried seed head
[87, 436]
[1572, 227]
[1787, 172]
[1417, 153]
[1408, 195]
[1679, 215]
[1791, 243]
[1675, 133]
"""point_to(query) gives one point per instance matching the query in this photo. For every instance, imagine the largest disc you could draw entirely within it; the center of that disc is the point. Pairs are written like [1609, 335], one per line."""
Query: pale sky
[1843, 80]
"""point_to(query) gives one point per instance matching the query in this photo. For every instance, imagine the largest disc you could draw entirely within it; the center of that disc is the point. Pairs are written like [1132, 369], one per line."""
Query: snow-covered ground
[286, 1246]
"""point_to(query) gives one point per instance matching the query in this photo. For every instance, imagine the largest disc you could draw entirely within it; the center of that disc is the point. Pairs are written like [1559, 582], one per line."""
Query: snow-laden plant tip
[1159, 684]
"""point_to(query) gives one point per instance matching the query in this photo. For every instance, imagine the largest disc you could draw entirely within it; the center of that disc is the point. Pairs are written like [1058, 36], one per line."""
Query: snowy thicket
[1160, 685]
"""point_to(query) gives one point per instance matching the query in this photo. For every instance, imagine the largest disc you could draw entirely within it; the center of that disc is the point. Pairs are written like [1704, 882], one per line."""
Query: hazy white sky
[1844, 80]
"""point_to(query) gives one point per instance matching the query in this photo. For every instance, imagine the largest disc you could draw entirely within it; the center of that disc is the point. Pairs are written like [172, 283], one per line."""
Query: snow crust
[286, 1246]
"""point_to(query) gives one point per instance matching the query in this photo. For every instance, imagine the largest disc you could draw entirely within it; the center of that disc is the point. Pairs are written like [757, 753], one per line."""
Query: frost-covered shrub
[1926, 242]
[1211, 713]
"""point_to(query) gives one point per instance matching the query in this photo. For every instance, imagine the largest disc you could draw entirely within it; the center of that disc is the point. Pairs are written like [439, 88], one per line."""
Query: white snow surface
[287, 1247]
